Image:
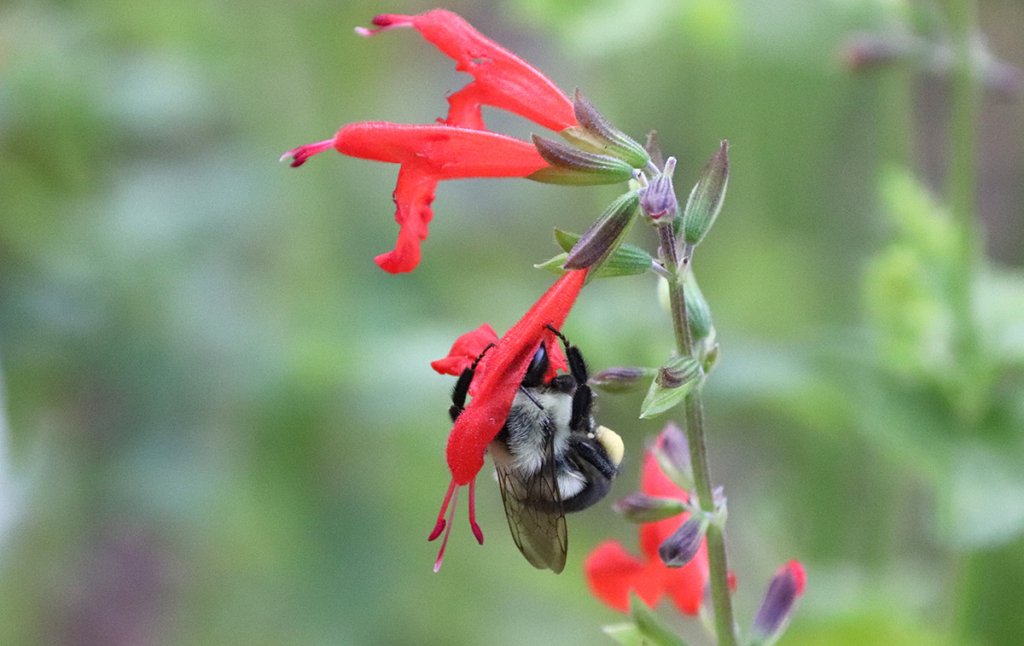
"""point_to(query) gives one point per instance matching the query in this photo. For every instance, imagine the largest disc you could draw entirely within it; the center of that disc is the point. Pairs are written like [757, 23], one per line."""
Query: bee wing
[533, 506]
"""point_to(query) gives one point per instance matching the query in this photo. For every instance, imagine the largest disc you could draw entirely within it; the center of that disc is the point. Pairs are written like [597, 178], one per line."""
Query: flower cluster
[458, 146]
[675, 532]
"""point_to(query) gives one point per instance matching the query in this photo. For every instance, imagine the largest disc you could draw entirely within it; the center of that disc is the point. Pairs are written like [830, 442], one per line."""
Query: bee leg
[589, 458]
[461, 389]
[582, 397]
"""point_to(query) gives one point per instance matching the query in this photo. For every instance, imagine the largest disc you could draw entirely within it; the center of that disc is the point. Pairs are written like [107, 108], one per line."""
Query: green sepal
[625, 260]
[706, 198]
[626, 634]
[605, 235]
[596, 134]
[577, 167]
[642, 508]
[675, 379]
[650, 626]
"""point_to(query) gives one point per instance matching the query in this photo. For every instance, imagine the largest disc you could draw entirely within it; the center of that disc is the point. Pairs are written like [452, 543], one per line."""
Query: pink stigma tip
[479, 533]
[302, 153]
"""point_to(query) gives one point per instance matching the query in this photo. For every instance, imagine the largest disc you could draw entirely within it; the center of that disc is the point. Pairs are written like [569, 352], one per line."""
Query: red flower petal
[506, 365]
[611, 572]
[428, 154]
[611, 577]
[465, 350]
[501, 79]
[655, 483]
[685, 585]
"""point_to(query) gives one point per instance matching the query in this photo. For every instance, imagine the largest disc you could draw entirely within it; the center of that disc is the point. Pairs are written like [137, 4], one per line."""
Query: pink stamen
[440, 517]
[302, 153]
[448, 531]
[479, 533]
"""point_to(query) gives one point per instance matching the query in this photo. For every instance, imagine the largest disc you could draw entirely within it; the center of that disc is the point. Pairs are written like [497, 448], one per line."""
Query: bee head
[538, 368]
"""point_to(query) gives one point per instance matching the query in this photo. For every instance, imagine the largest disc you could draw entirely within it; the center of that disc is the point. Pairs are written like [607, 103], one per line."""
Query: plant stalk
[725, 625]
[962, 198]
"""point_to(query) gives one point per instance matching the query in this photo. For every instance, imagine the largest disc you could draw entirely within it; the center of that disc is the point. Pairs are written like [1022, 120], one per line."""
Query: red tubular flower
[459, 147]
[612, 572]
[495, 388]
[501, 79]
[427, 154]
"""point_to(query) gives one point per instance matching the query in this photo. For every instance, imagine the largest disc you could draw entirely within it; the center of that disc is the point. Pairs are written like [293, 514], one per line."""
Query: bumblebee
[549, 456]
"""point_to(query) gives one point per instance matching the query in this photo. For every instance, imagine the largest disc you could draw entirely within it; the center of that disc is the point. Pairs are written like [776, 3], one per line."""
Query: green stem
[962, 196]
[964, 98]
[725, 625]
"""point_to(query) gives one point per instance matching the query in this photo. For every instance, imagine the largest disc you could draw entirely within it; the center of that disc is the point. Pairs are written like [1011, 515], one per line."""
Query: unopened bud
[779, 603]
[706, 197]
[674, 380]
[601, 239]
[621, 379]
[659, 199]
[698, 314]
[672, 451]
[597, 134]
[641, 508]
[680, 548]
[577, 167]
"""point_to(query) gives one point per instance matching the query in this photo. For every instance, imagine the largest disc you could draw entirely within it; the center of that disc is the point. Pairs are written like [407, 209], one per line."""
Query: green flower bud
[625, 260]
[641, 508]
[597, 134]
[600, 240]
[706, 197]
[698, 314]
[577, 167]
[674, 380]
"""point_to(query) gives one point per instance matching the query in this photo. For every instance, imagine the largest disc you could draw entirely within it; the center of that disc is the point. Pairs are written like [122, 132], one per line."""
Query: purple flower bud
[673, 446]
[641, 508]
[680, 548]
[621, 379]
[659, 198]
[779, 602]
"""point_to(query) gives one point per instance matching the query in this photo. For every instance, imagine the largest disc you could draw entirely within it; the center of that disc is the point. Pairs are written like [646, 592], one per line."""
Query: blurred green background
[220, 422]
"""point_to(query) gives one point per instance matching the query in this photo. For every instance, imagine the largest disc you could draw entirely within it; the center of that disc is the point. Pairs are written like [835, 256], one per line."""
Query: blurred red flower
[612, 572]
[459, 146]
